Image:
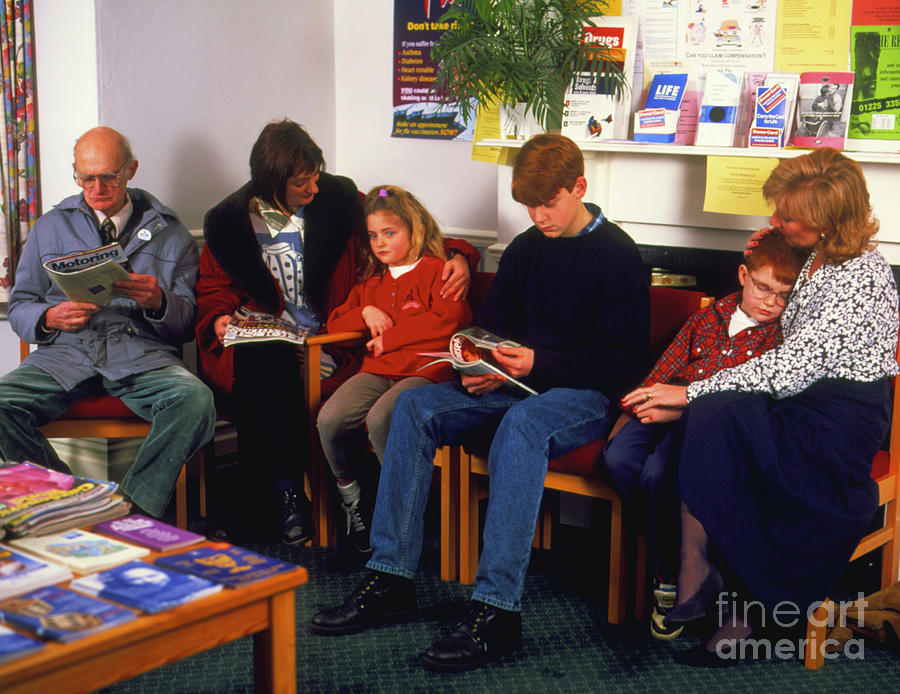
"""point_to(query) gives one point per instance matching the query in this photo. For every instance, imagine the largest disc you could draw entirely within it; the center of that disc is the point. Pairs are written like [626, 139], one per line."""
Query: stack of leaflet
[146, 587]
[60, 614]
[15, 645]
[80, 550]
[225, 564]
[21, 572]
[37, 501]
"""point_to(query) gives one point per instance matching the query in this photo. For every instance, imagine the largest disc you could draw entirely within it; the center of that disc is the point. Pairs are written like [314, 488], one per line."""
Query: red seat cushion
[881, 465]
[581, 461]
[98, 407]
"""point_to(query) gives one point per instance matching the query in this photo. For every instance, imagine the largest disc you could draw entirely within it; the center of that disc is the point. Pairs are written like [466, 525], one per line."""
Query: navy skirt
[783, 487]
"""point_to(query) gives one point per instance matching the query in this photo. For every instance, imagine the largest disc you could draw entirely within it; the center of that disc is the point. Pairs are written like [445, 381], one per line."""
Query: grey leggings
[362, 400]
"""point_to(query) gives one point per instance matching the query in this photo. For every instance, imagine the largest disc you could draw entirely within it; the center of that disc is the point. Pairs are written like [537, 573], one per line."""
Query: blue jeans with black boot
[527, 432]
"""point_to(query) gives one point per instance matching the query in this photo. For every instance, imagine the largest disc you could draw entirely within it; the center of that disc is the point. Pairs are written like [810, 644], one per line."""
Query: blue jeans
[528, 431]
[178, 405]
[638, 462]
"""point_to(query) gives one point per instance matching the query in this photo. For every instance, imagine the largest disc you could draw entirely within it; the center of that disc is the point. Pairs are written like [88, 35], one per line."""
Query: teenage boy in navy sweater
[572, 289]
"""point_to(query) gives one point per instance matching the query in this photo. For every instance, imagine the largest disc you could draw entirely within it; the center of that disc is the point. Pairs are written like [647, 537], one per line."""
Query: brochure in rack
[145, 586]
[21, 572]
[61, 614]
[80, 550]
[471, 352]
[591, 110]
[88, 276]
[226, 564]
[658, 120]
[823, 114]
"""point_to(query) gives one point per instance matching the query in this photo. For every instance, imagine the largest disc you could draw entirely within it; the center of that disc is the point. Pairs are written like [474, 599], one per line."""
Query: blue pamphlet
[61, 614]
[226, 564]
[15, 645]
[145, 586]
[657, 121]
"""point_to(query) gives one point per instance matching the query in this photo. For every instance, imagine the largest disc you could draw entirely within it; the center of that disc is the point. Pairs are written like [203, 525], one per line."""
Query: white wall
[191, 83]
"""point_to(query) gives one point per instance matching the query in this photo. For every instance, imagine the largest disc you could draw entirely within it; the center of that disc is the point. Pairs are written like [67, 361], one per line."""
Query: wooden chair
[107, 417]
[576, 472]
[886, 473]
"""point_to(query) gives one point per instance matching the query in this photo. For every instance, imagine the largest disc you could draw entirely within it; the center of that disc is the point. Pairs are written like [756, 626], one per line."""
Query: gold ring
[649, 397]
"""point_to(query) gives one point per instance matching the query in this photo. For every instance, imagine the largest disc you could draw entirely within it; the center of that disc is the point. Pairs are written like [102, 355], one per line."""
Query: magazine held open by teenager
[471, 352]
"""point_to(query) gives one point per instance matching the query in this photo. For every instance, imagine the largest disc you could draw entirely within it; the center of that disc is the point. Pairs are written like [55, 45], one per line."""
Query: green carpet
[568, 646]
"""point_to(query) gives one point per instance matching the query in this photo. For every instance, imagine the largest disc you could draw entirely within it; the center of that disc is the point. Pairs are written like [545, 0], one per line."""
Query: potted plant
[519, 53]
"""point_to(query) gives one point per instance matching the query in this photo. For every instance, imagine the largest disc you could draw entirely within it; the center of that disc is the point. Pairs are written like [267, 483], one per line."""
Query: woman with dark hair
[285, 244]
[774, 463]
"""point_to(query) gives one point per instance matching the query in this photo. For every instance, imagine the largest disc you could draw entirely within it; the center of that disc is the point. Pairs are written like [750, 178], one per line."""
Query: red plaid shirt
[702, 346]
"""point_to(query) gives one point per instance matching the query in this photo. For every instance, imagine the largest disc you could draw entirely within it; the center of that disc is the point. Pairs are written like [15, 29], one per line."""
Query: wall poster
[417, 111]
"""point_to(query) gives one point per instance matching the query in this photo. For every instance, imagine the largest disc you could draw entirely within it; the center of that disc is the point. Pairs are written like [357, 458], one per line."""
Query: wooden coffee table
[265, 609]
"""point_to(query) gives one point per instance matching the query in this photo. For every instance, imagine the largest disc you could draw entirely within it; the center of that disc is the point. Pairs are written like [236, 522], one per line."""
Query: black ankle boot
[383, 598]
[485, 634]
[295, 521]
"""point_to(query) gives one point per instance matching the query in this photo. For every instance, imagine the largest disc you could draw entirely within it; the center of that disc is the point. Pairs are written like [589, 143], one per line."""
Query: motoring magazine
[89, 275]
[255, 326]
[471, 351]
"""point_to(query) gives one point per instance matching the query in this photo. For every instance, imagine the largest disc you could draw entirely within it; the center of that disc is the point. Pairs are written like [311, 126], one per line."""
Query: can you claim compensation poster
[417, 110]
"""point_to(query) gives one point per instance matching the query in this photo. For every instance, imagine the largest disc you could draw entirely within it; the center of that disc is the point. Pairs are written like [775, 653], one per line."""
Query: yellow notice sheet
[487, 127]
[813, 35]
[734, 185]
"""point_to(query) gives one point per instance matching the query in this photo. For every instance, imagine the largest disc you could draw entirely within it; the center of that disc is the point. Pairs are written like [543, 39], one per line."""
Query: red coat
[232, 272]
[423, 320]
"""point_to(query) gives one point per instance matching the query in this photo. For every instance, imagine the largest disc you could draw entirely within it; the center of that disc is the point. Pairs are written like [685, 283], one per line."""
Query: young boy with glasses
[734, 329]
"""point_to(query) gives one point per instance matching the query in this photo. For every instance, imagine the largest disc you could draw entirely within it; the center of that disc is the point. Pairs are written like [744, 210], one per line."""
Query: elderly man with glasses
[128, 347]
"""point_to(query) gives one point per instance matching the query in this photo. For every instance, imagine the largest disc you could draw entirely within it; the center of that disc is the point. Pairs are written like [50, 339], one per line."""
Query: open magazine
[255, 326]
[89, 275]
[471, 351]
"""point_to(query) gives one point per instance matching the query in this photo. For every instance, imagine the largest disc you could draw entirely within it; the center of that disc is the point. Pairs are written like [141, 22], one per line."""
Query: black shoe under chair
[382, 599]
[698, 604]
[295, 519]
[485, 634]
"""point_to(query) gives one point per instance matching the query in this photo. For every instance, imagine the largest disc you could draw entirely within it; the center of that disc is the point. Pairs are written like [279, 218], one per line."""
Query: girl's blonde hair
[424, 233]
[826, 190]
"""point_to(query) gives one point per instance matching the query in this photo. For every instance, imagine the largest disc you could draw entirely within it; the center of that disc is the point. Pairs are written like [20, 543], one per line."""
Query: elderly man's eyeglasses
[107, 180]
[763, 292]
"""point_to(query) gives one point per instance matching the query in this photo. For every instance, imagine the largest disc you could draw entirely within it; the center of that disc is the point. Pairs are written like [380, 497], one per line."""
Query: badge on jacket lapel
[144, 235]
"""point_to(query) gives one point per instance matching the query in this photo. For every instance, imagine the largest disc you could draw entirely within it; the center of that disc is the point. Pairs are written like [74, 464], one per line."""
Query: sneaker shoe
[664, 595]
[357, 527]
[485, 634]
[382, 598]
[295, 520]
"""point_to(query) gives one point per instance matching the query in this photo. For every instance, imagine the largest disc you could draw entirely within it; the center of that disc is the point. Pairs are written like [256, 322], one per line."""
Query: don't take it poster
[417, 110]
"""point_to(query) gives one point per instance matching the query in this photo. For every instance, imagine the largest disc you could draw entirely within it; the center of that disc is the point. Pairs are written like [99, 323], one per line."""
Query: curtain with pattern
[18, 139]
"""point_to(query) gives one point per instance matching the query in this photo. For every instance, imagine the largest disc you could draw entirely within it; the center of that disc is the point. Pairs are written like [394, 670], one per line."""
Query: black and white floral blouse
[839, 323]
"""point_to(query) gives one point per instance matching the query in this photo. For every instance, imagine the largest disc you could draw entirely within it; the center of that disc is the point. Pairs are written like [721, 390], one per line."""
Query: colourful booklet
[62, 614]
[225, 564]
[15, 645]
[145, 586]
[148, 532]
[80, 550]
[20, 572]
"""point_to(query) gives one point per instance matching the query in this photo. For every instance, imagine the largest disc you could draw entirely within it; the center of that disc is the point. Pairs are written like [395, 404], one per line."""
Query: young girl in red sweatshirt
[398, 301]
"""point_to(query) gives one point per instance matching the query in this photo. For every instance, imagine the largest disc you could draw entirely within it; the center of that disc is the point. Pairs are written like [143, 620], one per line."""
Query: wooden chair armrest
[330, 338]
